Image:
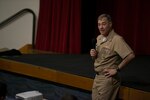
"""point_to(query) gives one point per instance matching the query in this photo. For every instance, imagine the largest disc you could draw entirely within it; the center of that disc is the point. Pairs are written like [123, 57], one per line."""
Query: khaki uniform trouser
[105, 88]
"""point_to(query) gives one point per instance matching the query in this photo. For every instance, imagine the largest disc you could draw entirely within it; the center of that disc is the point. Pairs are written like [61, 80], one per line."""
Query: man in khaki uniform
[112, 53]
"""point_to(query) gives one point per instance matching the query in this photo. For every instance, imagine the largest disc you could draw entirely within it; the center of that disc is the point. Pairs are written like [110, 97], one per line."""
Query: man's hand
[109, 72]
[93, 53]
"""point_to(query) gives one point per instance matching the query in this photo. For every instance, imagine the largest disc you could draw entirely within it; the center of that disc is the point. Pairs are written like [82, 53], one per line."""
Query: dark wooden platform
[77, 71]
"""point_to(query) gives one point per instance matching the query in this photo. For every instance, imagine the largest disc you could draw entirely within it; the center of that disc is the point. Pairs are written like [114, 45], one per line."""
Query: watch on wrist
[118, 69]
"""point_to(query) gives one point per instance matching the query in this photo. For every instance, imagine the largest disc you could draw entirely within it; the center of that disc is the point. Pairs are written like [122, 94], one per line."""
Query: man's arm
[111, 71]
[126, 60]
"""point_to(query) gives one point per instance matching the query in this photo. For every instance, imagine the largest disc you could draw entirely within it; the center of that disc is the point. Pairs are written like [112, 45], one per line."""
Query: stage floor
[72, 70]
[77, 70]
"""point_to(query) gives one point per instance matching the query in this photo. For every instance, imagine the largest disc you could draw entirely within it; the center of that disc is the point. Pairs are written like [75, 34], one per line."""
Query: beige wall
[19, 32]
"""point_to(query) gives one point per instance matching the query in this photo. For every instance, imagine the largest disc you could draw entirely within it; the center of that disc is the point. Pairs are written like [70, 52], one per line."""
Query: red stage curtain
[59, 26]
[131, 20]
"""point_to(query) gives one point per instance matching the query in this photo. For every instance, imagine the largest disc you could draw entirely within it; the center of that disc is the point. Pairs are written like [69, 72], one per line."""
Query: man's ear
[110, 23]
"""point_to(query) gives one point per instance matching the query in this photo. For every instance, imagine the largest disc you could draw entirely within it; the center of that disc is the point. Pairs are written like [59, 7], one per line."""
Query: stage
[76, 71]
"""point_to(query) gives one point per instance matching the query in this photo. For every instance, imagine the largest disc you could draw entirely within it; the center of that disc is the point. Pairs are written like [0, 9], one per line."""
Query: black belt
[98, 73]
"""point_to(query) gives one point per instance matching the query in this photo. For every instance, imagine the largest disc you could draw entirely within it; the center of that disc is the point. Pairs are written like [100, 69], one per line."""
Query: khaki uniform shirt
[111, 50]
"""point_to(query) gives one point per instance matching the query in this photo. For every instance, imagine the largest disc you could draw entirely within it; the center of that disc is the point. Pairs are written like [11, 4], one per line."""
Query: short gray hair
[106, 16]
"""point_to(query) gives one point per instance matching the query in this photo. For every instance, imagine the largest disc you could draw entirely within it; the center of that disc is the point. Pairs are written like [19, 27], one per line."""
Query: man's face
[104, 26]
